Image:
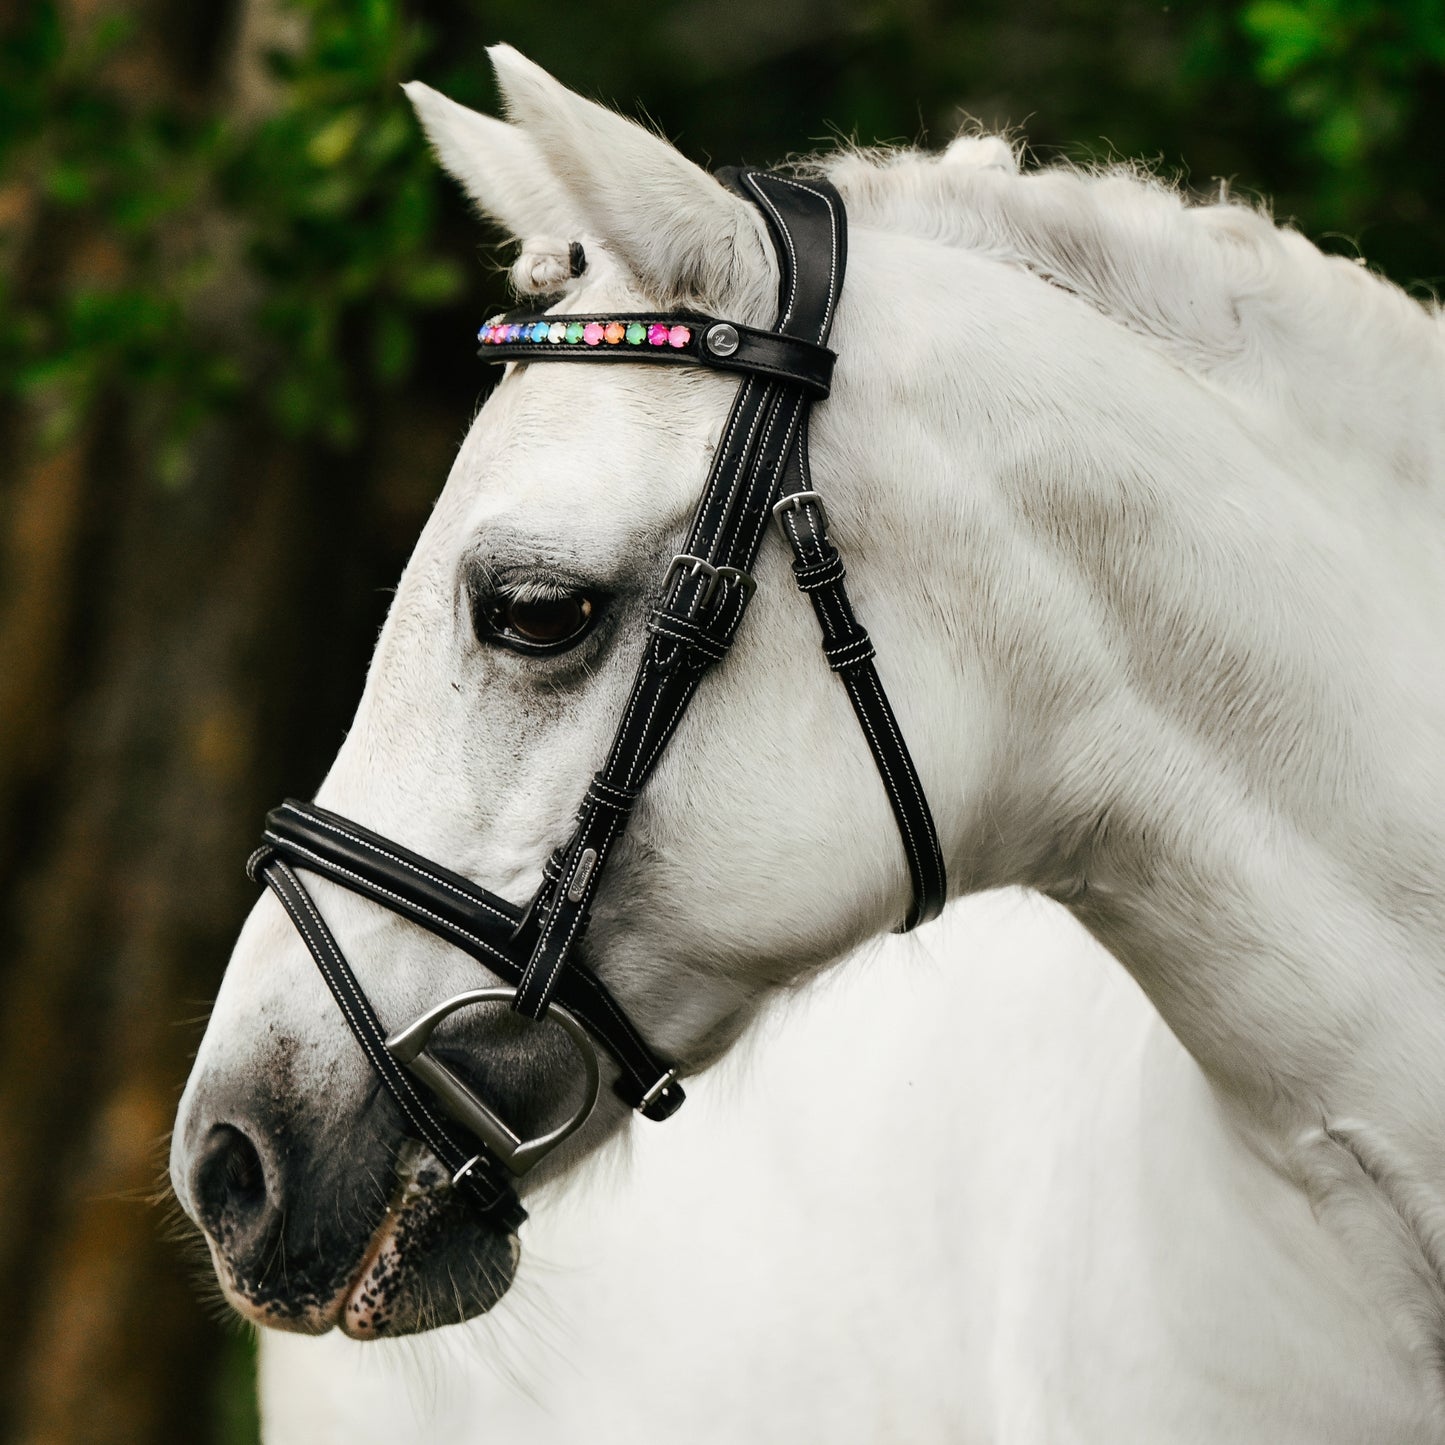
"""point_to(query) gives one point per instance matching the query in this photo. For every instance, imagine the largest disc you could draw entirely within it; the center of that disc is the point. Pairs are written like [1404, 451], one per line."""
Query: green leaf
[68, 184]
[1342, 138]
[331, 144]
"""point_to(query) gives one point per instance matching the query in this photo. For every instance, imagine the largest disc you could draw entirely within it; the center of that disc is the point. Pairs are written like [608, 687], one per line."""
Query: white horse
[1142, 503]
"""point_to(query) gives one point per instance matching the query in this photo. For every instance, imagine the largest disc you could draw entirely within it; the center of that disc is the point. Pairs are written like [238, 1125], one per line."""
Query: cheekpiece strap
[707, 588]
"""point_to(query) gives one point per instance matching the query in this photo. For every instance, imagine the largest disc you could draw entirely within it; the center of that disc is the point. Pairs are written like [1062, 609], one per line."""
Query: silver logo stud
[722, 339]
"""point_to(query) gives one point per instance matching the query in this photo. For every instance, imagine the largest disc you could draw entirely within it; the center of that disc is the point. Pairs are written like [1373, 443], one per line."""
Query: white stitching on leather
[743, 471]
[604, 847]
[740, 405]
[405, 1094]
[400, 862]
[740, 473]
[326, 865]
[887, 713]
[757, 190]
[594, 986]
[666, 732]
[880, 758]
[833, 258]
[795, 411]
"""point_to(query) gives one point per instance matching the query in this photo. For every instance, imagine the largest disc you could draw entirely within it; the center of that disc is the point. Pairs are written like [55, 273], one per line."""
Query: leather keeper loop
[849, 650]
[687, 632]
[663, 1104]
[812, 577]
[604, 795]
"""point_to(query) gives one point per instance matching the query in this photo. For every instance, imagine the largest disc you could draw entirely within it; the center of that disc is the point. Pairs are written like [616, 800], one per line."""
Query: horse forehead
[578, 448]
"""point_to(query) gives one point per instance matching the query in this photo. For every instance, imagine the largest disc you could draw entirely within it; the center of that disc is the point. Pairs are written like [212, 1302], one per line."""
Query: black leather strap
[703, 601]
[819, 571]
[474, 1169]
[478, 922]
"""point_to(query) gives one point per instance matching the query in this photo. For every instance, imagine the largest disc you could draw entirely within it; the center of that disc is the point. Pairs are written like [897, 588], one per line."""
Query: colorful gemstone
[679, 336]
[657, 334]
[613, 332]
[513, 332]
[592, 333]
[636, 333]
[574, 332]
[540, 330]
[556, 331]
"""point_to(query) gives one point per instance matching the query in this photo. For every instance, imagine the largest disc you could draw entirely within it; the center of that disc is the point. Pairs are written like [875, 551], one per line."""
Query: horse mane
[1251, 308]
[1247, 305]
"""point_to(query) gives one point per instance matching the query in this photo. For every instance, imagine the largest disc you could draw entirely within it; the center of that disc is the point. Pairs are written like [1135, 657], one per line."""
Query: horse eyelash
[514, 584]
[532, 589]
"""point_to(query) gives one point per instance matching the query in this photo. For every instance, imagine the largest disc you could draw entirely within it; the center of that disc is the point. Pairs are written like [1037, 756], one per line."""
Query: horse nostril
[230, 1179]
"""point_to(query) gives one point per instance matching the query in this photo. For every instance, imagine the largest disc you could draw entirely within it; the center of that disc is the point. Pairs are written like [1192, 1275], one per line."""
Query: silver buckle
[692, 567]
[657, 1089]
[408, 1047]
[795, 501]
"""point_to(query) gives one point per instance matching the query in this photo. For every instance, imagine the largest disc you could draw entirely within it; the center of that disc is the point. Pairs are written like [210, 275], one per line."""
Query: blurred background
[236, 317]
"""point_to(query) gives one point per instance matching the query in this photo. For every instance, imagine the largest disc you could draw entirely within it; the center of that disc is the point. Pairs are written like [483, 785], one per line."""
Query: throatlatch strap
[474, 1169]
[819, 571]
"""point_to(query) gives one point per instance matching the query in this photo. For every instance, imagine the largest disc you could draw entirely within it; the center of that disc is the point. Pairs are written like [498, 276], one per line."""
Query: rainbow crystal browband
[632, 332]
[685, 338]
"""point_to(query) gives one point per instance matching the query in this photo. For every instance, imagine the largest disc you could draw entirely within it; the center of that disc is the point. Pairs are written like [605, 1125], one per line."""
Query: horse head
[1145, 590]
[758, 851]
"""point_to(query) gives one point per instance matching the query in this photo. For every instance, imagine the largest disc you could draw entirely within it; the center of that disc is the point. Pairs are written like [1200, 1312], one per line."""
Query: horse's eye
[536, 622]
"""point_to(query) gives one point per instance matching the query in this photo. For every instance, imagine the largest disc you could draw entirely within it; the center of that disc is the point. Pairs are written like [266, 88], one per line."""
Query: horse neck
[1183, 681]
[1094, 1253]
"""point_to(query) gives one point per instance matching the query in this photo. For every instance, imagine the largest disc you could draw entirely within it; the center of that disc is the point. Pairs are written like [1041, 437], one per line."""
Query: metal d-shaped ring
[408, 1047]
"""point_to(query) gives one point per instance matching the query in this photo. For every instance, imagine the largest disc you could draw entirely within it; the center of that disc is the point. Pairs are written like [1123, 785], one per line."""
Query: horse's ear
[685, 237]
[495, 164]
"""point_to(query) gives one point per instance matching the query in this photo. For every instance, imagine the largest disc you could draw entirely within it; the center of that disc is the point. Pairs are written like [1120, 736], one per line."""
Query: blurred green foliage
[237, 1419]
[323, 206]
[1359, 77]
[282, 255]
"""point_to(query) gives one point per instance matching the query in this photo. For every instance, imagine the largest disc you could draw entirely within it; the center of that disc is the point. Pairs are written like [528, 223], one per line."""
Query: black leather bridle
[760, 469]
